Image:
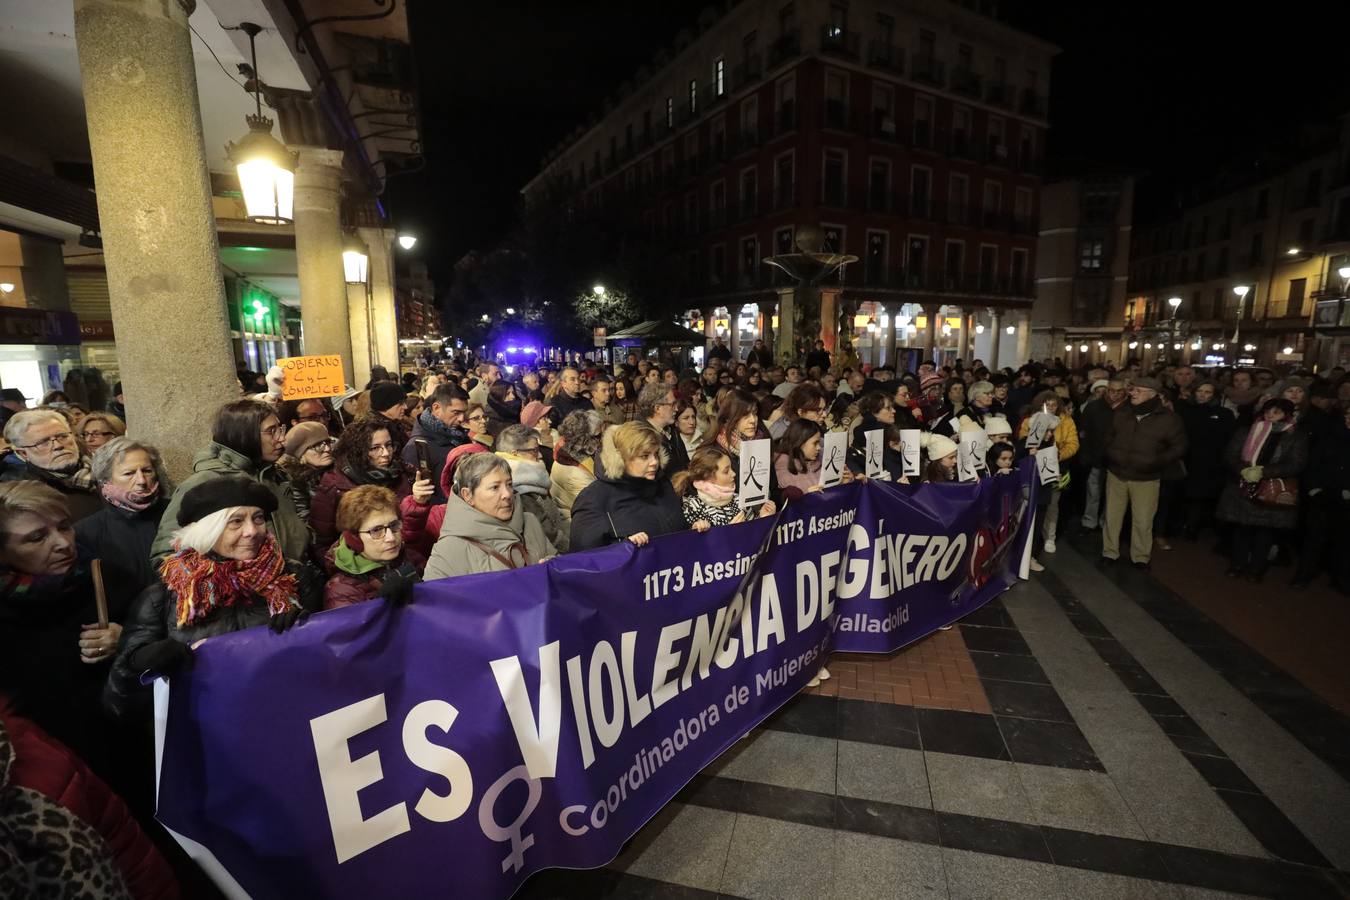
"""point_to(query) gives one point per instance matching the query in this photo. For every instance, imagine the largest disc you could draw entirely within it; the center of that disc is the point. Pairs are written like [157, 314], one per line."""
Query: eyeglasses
[55, 442]
[275, 431]
[479, 417]
[97, 434]
[376, 448]
[322, 446]
[314, 417]
[379, 532]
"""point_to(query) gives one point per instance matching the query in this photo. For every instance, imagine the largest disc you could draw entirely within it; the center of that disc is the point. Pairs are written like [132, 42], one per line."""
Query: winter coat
[323, 511]
[347, 589]
[1066, 436]
[531, 482]
[818, 359]
[616, 505]
[219, 461]
[567, 479]
[40, 666]
[1285, 455]
[1208, 430]
[81, 502]
[1094, 427]
[674, 452]
[613, 414]
[441, 439]
[302, 482]
[153, 617]
[122, 539]
[1140, 446]
[68, 833]
[763, 358]
[1328, 471]
[563, 406]
[520, 540]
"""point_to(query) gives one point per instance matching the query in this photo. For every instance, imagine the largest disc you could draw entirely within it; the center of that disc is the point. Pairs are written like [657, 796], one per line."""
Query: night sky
[1168, 90]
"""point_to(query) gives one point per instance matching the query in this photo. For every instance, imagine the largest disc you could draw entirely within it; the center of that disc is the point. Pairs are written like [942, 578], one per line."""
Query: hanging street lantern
[355, 260]
[265, 167]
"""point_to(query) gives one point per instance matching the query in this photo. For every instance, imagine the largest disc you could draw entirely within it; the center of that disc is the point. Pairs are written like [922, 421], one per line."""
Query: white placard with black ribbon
[875, 452]
[910, 449]
[1047, 464]
[753, 487]
[833, 458]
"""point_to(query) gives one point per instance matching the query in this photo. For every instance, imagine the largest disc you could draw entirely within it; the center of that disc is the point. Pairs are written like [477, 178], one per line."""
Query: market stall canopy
[656, 333]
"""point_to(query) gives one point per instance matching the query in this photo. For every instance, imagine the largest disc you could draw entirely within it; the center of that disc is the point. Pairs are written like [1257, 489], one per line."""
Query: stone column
[888, 340]
[930, 336]
[318, 249]
[1023, 338]
[963, 337]
[159, 235]
[783, 334]
[829, 317]
[383, 313]
[358, 322]
[995, 336]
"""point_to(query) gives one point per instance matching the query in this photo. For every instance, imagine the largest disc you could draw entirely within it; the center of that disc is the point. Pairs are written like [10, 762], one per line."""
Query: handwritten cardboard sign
[833, 451]
[754, 473]
[312, 376]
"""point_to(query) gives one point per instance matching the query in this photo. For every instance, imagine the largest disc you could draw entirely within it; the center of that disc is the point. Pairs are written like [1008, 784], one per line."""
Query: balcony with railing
[882, 55]
[1001, 95]
[746, 72]
[936, 281]
[835, 41]
[1033, 104]
[928, 70]
[787, 46]
[966, 83]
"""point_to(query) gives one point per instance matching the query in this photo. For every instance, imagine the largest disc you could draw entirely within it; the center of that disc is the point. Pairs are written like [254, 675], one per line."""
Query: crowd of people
[303, 506]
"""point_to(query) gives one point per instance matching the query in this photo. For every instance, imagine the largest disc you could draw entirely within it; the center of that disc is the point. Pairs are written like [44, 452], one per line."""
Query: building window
[993, 203]
[961, 131]
[749, 192]
[782, 240]
[720, 77]
[923, 122]
[998, 150]
[953, 265]
[988, 266]
[838, 20]
[749, 260]
[1298, 287]
[1020, 267]
[787, 19]
[965, 57]
[958, 200]
[874, 263]
[927, 44]
[836, 99]
[719, 264]
[670, 112]
[834, 178]
[916, 260]
[1258, 250]
[784, 180]
[879, 186]
[883, 110]
[1090, 254]
[920, 191]
[693, 96]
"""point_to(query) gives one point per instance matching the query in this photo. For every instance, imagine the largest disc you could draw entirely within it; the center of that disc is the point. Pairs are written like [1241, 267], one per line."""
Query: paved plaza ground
[1117, 734]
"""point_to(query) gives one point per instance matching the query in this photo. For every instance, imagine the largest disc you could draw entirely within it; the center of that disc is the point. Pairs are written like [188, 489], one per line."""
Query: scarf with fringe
[203, 584]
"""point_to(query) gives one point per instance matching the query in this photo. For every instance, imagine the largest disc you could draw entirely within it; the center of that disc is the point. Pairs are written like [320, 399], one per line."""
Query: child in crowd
[1000, 458]
[707, 490]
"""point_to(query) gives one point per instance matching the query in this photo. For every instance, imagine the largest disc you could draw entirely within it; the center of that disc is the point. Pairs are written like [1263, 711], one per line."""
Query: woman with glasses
[247, 439]
[369, 559]
[135, 490]
[476, 423]
[309, 456]
[45, 442]
[805, 402]
[367, 453]
[97, 429]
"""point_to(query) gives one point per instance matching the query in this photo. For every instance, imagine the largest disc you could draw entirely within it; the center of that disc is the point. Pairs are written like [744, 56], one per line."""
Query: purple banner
[510, 722]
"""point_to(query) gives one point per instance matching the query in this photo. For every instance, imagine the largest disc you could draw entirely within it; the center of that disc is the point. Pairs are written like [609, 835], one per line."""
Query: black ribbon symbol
[750, 476]
[872, 457]
[833, 464]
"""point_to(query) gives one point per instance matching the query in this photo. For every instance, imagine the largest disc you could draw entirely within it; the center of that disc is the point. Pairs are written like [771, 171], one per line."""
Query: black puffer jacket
[153, 618]
[616, 506]
[1208, 430]
[1144, 440]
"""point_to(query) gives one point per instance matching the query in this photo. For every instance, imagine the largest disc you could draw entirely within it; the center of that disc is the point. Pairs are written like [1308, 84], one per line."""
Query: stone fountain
[800, 308]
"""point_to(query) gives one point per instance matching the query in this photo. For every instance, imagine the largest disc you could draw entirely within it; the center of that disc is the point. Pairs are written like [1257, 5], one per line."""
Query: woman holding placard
[629, 500]
[707, 491]
[365, 454]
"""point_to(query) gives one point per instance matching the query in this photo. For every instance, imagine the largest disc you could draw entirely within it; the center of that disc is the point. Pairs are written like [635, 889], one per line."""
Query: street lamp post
[1241, 290]
[1175, 303]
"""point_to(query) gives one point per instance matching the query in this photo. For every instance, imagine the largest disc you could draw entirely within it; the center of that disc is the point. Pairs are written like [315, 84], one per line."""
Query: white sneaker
[814, 682]
[823, 674]
[1049, 545]
[944, 628]
[1036, 567]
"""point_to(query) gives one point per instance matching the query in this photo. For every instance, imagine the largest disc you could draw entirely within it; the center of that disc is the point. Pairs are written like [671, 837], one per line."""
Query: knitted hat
[303, 436]
[533, 412]
[979, 389]
[1143, 381]
[386, 395]
[994, 425]
[929, 380]
[343, 398]
[940, 447]
[224, 493]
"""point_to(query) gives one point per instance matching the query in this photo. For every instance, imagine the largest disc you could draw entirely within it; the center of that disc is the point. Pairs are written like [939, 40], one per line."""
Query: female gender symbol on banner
[487, 818]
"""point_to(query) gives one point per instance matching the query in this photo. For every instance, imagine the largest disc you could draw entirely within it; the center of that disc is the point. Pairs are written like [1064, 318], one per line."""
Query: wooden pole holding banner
[100, 595]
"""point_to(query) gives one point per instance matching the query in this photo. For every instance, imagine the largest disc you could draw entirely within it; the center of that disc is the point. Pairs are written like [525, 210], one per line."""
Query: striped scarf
[203, 584]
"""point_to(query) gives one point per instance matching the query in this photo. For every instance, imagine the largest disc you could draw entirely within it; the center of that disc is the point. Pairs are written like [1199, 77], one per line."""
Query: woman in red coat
[369, 559]
[67, 833]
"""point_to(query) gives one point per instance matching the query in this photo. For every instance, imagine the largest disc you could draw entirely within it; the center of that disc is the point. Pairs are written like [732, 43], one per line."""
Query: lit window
[719, 77]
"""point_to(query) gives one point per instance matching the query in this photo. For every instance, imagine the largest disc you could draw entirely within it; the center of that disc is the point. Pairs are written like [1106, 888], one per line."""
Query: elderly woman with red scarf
[226, 573]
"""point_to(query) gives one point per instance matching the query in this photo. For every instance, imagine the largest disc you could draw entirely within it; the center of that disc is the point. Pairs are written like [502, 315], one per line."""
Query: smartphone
[423, 459]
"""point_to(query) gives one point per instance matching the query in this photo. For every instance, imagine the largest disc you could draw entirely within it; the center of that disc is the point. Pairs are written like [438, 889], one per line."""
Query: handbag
[1277, 492]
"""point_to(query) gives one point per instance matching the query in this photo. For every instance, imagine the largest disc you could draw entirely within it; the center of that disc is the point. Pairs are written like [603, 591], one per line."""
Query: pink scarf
[124, 499]
[1256, 439]
[715, 494]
